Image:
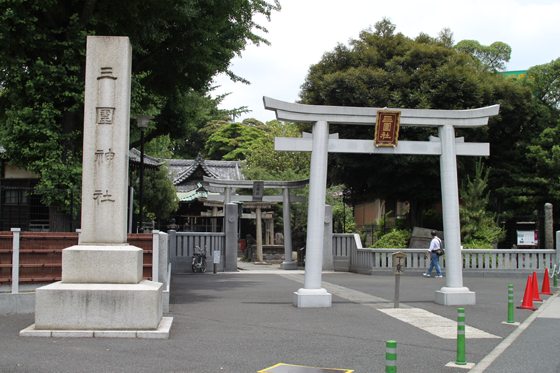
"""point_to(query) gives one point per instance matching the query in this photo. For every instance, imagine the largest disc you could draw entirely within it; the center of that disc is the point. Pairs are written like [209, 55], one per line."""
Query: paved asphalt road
[245, 322]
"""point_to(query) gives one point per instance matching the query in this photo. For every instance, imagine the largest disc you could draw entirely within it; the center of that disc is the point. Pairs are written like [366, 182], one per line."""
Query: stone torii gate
[286, 197]
[319, 144]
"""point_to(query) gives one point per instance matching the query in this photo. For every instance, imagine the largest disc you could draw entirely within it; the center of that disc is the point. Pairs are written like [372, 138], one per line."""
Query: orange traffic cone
[528, 297]
[536, 297]
[545, 284]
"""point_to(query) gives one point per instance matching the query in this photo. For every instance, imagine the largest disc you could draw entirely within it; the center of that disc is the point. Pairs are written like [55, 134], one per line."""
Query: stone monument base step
[162, 332]
[99, 306]
[109, 264]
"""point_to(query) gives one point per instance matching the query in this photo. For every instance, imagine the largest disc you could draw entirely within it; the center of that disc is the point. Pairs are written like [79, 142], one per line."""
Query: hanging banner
[387, 128]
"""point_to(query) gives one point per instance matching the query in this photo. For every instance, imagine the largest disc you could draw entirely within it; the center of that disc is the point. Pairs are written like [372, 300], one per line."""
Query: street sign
[216, 256]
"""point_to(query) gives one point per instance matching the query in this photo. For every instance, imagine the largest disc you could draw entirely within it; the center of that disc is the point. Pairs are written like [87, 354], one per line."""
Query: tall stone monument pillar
[102, 286]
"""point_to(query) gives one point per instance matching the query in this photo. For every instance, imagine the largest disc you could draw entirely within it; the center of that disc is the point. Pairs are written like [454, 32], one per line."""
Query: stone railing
[370, 260]
[343, 245]
[348, 252]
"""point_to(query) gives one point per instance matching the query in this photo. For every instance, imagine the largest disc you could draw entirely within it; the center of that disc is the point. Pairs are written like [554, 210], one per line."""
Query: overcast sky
[305, 29]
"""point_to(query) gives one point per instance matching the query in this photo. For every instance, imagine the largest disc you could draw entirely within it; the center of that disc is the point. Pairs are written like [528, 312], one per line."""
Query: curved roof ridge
[199, 161]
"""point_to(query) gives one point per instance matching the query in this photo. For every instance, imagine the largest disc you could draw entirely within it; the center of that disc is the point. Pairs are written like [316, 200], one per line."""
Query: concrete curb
[497, 351]
[17, 303]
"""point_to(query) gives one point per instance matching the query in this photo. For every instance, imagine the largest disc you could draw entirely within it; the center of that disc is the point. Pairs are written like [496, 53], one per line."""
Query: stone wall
[421, 238]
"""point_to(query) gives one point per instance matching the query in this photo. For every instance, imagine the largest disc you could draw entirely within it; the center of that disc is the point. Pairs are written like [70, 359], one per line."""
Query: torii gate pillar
[312, 294]
[454, 293]
[446, 146]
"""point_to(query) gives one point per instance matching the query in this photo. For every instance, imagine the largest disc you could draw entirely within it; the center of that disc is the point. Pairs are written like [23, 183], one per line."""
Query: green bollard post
[510, 305]
[391, 357]
[461, 337]
[555, 282]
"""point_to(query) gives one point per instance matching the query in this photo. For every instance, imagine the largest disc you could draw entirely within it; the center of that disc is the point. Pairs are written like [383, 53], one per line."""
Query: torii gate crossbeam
[446, 146]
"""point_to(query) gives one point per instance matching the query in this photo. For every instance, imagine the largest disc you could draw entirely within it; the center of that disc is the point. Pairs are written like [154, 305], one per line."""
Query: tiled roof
[182, 169]
[149, 162]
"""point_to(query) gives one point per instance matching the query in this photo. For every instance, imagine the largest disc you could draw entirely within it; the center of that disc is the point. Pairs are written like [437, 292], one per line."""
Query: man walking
[435, 245]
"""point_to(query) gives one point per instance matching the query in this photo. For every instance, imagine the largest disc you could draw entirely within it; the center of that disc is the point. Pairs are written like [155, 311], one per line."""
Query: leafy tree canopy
[494, 55]
[543, 149]
[386, 69]
[262, 155]
[178, 46]
[232, 141]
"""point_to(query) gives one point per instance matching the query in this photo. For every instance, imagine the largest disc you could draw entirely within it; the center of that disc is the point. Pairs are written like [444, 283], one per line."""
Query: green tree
[479, 228]
[494, 56]
[160, 195]
[386, 69]
[232, 141]
[262, 155]
[184, 122]
[543, 150]
[544, 81]
[343, 216]
[178, 46]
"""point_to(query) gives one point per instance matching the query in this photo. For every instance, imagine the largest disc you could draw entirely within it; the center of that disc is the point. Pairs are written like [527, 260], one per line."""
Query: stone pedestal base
[288, 265]
[110, 264]
[62, 306]
[312, 298]
[455, 296]
[162, 332]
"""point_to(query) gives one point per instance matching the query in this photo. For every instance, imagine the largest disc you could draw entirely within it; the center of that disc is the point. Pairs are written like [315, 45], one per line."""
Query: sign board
[216, 256]
[399, 263]
[530, 238]
[387, 128]
[258, 190]
[517, 73]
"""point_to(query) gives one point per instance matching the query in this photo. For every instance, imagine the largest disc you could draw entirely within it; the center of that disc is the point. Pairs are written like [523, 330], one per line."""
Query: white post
[288, 261]
[328, 264]
[454, 293]
[131, 207]
[312, 295]
[15, 260]
[155, 255]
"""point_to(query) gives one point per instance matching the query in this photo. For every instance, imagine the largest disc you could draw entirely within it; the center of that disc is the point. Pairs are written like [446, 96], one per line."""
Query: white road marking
[435, 324]
[430, 322]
